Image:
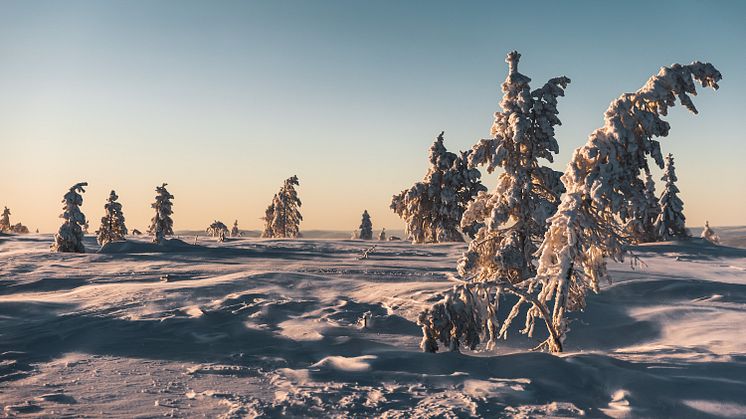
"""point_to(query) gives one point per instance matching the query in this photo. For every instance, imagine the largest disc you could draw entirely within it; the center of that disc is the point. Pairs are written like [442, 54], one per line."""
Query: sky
[224, 100]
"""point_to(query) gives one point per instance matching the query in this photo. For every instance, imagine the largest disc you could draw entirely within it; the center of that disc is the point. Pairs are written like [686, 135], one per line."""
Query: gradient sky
[224, 100]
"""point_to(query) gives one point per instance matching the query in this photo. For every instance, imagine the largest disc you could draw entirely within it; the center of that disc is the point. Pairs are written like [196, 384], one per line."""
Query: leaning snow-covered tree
[432, 208]
[5, 221]
[286, 215]
[366, 227]
[235, 232]
[671, 223]
[218, 229]
[602, 180]
[513, 218]
[69, 237]
[161, 225]
[112, 223]
[710, 235]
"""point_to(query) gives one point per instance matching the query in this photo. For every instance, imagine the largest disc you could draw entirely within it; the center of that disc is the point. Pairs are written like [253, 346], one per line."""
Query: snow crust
[305, 328]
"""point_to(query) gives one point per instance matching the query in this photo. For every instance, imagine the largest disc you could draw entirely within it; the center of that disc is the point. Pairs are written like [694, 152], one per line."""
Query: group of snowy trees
[282, 217]
[7, 227]
[546, 243]
[432, 209]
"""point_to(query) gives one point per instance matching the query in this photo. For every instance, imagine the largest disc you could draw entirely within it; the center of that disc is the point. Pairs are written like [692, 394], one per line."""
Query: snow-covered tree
[286, 215]
[432, 209]
[671, 223]
[5, 221]
[85, 227]
[161, 225]
[235, 232]
[382, 235]
[19, 228]
[710, 235]
[69, 237]
[641, 228]
[112, 223]
[269, 216]
[218, 229]
[513, 217]
[602, 182]
[366, 227]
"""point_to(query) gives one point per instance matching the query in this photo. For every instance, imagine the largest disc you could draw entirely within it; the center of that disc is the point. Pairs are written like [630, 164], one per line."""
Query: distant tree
[513, 218]
[85, 227]
[5, 226]
[286, 212]
[709, 235]
[69, 237]
[366, 227]
[19, 228]
[136, 232]
[161, 225]
[218, 229]
[235, 232]
[382, 236]
[671, 223]
[269, 216]
[602, 181]
[112, 223]
[432, 208]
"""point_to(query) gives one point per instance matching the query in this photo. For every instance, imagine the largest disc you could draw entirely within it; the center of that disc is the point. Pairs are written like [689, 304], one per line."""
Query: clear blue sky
[223, 100]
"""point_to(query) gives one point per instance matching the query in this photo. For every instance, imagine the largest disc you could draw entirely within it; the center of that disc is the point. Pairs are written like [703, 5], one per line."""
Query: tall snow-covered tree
[602, 182]
[286, 213]
[671, 223]
[112, 223]
[161, 225]
[69, 237]
[710, 235]
[5, 225]
[235, 232]
[366, 227]
[513, 218]
[218, 229]
[642, 228]
[432, 208]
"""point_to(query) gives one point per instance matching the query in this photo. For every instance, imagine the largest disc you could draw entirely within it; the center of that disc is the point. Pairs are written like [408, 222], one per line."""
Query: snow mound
[133, 246]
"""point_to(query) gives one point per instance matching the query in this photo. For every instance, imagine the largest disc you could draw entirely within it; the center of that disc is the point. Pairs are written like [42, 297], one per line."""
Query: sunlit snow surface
[274, 327]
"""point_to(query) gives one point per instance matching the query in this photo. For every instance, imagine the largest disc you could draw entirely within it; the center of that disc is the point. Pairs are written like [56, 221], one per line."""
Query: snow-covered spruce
[112, 223]
[710, 235]
[235, 232]
[602, 179]
[366, 227]
[641, 229]
[382, 235]
[432, 208]
[161, 225]
[269, 216]
[286, 216]
[69, 237]
[671, 223]
[513, 217]
[218, 229]
[5, 226]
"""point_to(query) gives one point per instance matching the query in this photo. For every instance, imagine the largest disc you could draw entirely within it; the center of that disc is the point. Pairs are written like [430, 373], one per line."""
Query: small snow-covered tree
[513, 218]
[641, 228]
[19, 228]
[286, 216]
[432, 209]
[671, 223]
[5, 221]
[366, 227]
[710, 235]
[602, 182]
[235, 232]
[112, 223]
[69, 237]
[269, 216]
[382, 235]
[218, 229]
[161, 225]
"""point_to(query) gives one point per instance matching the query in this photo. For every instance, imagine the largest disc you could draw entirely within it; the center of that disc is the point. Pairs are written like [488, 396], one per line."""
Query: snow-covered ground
[274, 327]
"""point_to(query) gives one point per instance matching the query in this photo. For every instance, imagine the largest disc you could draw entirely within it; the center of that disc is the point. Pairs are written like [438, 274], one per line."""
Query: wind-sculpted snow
[306, 328]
